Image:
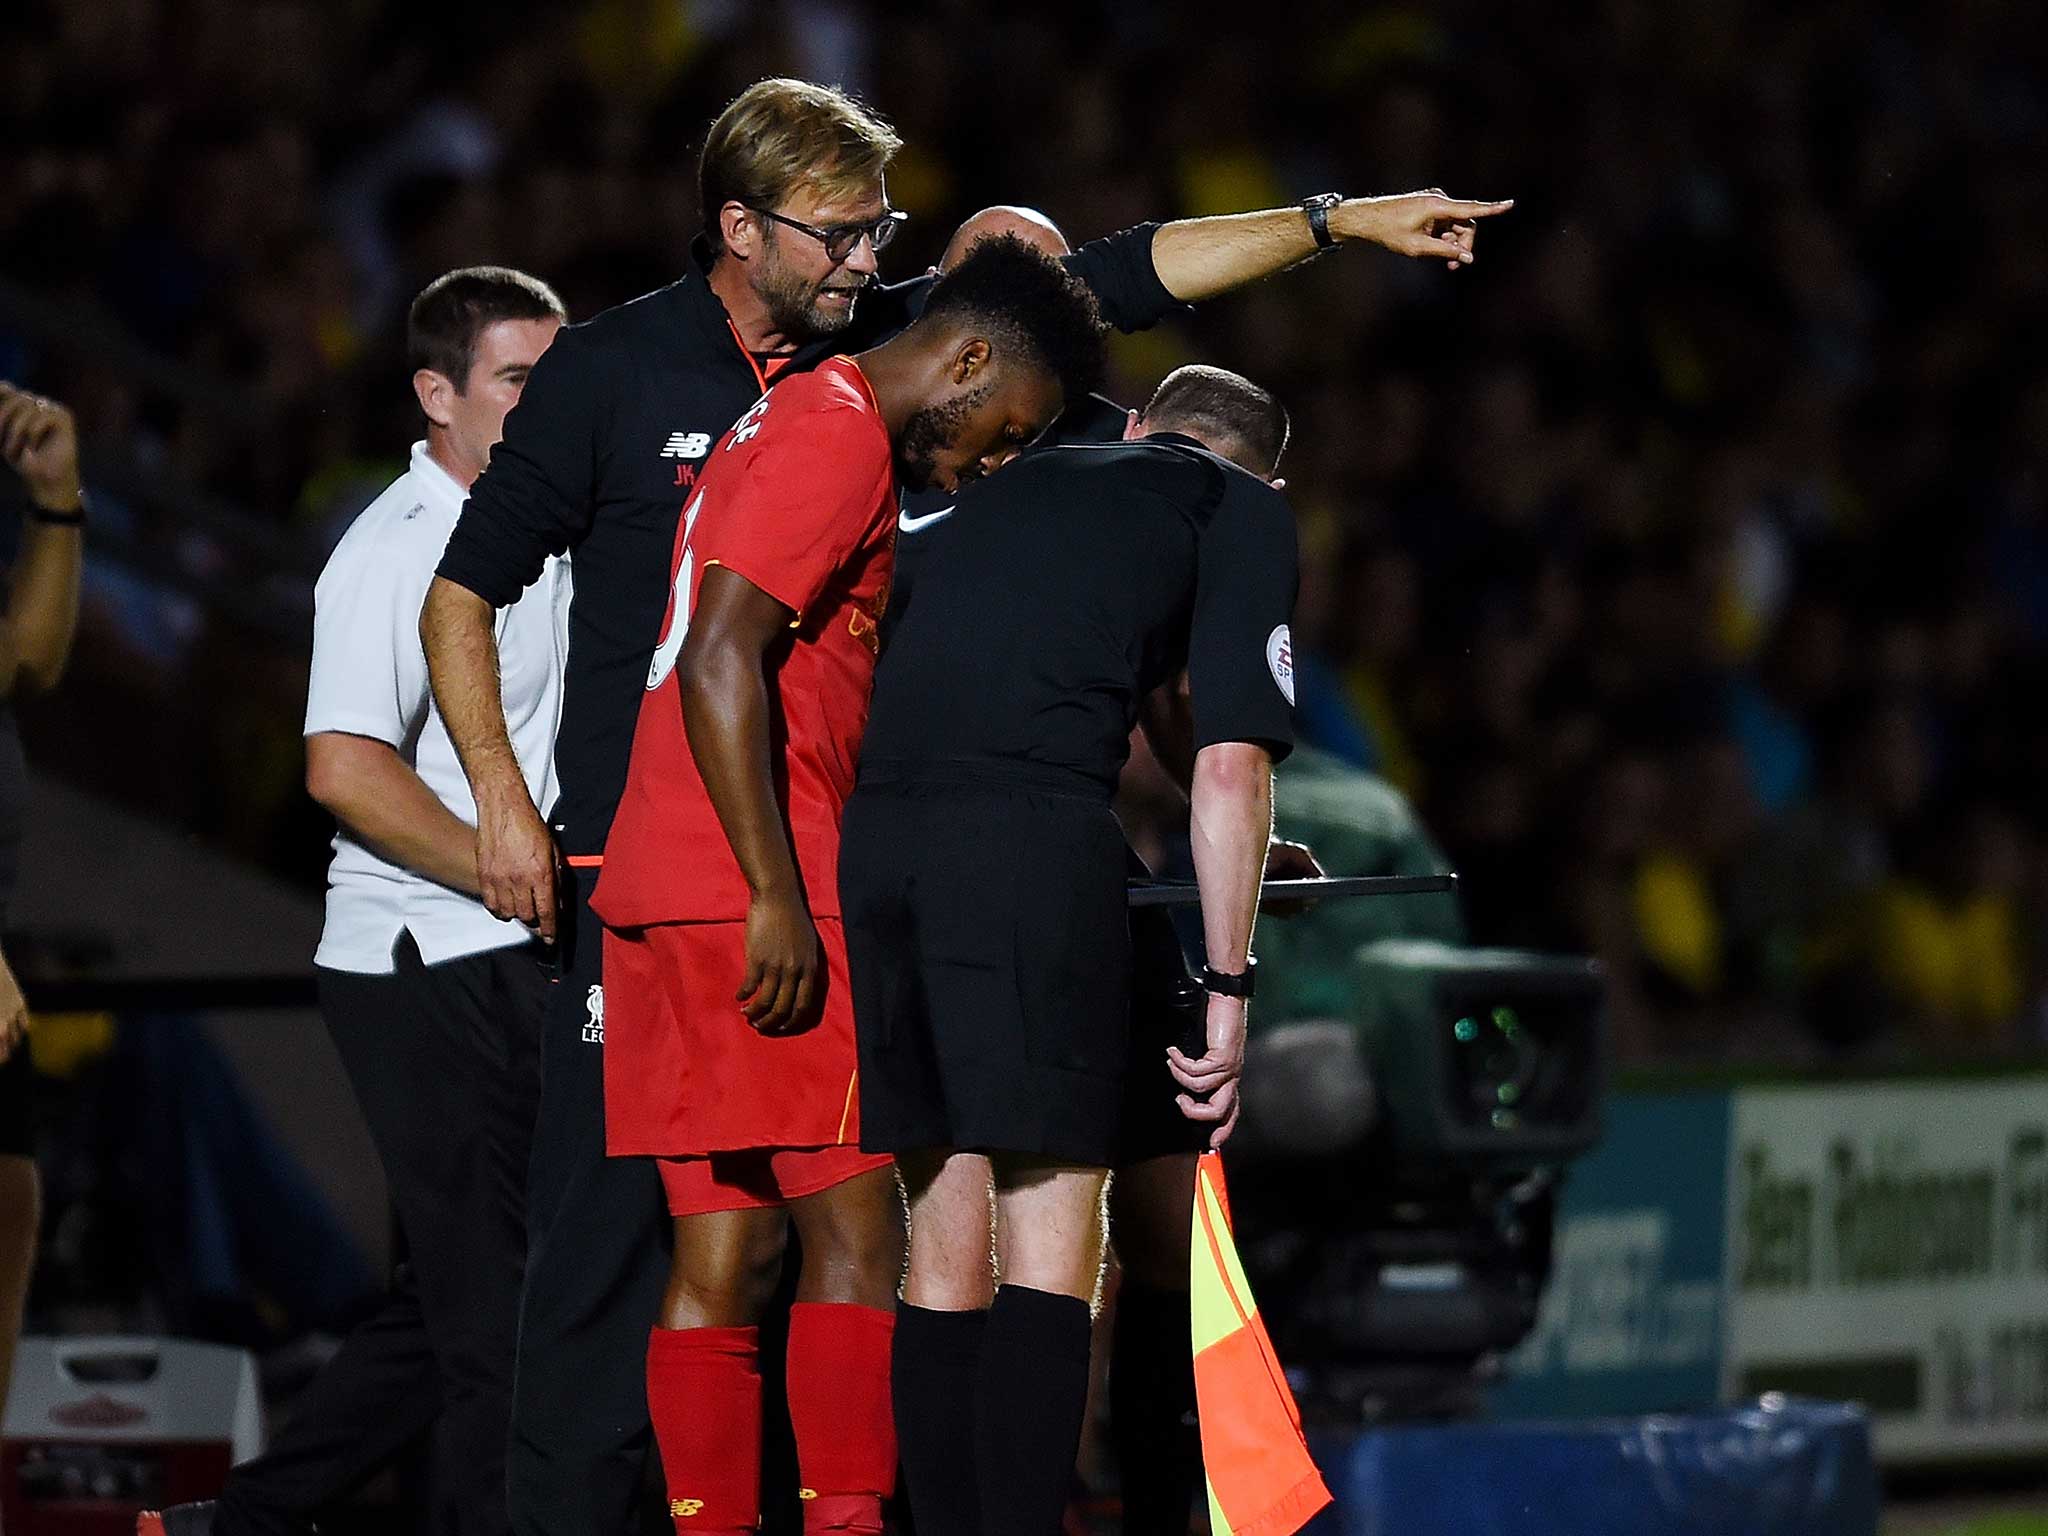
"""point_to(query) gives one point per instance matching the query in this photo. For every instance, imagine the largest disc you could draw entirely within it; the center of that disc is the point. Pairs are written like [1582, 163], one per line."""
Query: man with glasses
[840, 239]
[599, 460]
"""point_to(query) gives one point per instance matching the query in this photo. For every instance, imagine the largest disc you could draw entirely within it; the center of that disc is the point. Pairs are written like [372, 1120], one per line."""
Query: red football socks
[839, 1407]
[704, 1396]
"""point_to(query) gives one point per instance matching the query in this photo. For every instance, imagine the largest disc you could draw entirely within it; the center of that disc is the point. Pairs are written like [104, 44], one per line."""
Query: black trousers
[445, 1062]
[598, 1255]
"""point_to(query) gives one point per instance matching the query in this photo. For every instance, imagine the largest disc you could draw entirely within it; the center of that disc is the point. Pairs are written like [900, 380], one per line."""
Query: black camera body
[1484, 1057]
[1401, 1166]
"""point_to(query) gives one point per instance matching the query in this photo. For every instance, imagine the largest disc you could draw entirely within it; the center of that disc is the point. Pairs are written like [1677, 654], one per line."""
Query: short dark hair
[1227, 411]
[1029, 301]
[454, 309]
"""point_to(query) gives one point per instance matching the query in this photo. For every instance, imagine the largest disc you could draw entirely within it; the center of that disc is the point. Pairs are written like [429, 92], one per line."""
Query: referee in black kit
[983, 880]
[1153, 1427]
[598, 460]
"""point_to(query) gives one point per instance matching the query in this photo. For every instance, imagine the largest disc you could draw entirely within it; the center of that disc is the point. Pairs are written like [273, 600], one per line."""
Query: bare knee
[725, 1268]
[852, 1236]
[1049, 1226]
[952, 1218]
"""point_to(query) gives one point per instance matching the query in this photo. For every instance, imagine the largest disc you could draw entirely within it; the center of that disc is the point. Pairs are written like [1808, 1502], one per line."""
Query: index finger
[547, 897]
[750, 983]
[1449, 208]
[1216, 1059]
[1199, 1082]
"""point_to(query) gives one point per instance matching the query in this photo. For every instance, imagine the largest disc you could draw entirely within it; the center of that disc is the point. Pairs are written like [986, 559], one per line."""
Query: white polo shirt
[369, 678]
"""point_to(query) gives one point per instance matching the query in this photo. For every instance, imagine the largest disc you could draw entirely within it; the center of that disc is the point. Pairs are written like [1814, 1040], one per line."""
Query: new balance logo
[682, 1509]
[687, 445]
[593, 1026]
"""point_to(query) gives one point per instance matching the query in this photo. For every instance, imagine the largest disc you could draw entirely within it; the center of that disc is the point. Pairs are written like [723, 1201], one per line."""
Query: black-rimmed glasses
[839, 240]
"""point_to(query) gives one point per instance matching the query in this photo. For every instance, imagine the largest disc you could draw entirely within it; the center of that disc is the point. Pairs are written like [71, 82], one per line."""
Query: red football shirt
[800, 499]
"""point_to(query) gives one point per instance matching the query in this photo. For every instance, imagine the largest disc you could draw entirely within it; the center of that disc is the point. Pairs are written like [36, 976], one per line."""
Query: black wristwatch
[1223, 984]
[1318, 210]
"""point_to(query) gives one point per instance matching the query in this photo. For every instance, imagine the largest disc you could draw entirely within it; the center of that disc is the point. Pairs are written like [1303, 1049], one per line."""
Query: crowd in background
[1686, 559]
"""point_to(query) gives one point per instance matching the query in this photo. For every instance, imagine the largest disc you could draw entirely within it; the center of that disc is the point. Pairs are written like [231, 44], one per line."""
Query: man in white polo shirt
[435, 1005]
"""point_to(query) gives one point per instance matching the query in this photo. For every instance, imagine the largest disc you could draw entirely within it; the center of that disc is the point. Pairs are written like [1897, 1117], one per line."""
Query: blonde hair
[778, 135]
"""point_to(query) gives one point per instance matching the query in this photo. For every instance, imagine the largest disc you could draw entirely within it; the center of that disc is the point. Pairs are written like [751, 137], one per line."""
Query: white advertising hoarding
[1888, 1243]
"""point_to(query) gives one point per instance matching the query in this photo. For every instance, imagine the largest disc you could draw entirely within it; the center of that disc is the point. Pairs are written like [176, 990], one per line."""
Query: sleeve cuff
[1127, 287]
[466, 566]
[771, 588]
[1276, 747]
[342, 723]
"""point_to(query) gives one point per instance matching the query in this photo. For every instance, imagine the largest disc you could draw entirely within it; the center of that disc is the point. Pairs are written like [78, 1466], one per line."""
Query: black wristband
[1224, 984]
[75, 518]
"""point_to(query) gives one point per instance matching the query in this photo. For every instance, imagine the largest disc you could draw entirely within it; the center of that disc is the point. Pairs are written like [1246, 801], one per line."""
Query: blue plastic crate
[1779, 1467]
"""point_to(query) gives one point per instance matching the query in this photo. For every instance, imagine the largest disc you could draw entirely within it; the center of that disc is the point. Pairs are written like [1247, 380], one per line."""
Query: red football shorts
[685, 1074]
[759, 1180]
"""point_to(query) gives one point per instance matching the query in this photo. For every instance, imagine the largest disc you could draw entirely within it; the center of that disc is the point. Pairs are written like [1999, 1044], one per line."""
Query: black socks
[1032, 1396]
[1152, 1411]
[988, 1412]
[933, 1382]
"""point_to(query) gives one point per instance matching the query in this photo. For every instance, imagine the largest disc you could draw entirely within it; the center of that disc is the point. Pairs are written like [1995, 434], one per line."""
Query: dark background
[1686, 559]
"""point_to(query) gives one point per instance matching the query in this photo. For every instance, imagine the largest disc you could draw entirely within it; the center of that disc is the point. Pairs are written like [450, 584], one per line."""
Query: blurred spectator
[39, 446]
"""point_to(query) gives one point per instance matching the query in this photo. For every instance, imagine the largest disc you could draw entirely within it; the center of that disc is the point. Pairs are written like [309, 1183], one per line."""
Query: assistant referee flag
[1261, 1481]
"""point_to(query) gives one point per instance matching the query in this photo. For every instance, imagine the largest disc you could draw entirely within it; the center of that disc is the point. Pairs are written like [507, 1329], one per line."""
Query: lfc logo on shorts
[593, 1026]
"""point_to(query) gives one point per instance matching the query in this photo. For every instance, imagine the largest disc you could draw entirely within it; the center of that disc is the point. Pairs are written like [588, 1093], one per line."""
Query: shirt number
[671, 645]
[748, 425]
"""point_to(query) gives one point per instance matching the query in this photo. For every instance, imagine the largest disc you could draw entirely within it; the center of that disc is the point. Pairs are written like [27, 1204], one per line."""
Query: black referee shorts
[988, 935]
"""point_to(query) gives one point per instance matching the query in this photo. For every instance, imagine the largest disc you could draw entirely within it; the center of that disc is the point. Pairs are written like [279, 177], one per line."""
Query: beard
[793, 302]
[930, 430]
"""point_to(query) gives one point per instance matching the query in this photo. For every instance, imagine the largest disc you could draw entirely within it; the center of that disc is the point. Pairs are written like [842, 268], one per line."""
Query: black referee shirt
[925, 516]
[1066, 588]
[600, 455]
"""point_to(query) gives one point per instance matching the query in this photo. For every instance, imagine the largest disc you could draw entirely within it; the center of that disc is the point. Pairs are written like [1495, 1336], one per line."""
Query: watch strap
[1318, 210]
[1225, 984]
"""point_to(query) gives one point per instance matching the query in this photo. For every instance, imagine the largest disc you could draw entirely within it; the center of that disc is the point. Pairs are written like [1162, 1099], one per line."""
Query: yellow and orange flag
[1261, 1480]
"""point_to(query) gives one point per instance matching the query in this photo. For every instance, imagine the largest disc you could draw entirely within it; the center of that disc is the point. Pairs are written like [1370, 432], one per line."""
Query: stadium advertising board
[1631, 1321]
[1888, 1243]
